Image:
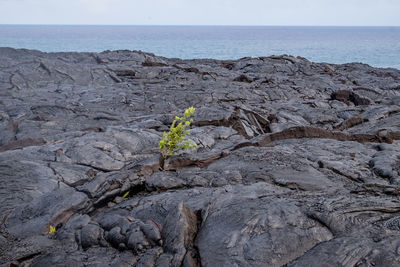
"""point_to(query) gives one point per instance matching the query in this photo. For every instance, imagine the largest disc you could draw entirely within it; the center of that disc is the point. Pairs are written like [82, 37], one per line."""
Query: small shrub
[174, 140]
[52, 230]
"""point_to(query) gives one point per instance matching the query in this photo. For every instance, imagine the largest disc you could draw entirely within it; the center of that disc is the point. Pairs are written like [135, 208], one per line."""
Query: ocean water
[376, 46]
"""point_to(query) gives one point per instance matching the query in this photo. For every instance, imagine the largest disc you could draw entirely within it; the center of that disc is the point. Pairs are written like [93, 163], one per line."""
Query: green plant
[174, 140]
[52, 230]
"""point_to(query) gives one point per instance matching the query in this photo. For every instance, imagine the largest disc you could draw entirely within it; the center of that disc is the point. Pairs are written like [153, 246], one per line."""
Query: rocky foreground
[297, 163]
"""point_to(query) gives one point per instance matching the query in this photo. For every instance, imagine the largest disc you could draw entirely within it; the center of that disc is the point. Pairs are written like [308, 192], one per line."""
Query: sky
[203, 12]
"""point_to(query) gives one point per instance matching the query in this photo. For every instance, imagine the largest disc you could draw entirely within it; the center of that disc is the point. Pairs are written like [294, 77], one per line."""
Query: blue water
[377, 46]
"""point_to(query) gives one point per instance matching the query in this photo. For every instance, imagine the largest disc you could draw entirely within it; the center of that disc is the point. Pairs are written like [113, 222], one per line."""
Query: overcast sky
[202, 12]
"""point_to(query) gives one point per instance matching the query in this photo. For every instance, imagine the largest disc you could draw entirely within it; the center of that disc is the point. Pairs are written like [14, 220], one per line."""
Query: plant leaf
[52, 229]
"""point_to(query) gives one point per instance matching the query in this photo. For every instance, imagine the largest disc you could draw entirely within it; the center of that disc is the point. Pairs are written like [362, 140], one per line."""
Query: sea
[376, 46]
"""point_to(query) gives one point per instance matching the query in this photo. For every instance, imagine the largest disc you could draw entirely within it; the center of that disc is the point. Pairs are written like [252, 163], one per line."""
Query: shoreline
[194, 59]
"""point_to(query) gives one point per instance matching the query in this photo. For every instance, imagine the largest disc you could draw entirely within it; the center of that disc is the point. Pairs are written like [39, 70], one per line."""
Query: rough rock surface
[297, 164]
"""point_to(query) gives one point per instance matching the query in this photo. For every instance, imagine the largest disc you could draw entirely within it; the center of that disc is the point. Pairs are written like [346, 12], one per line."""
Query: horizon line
[193, 25]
